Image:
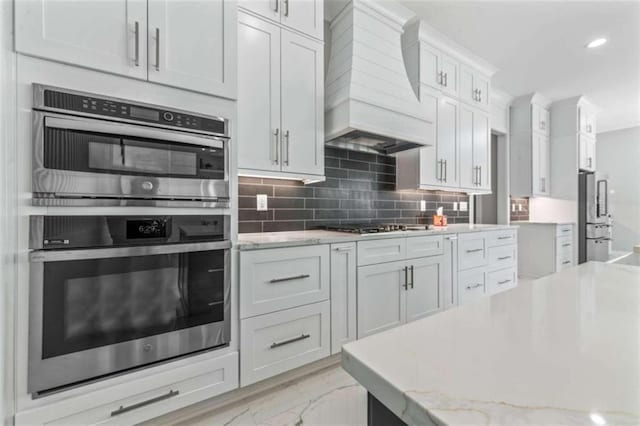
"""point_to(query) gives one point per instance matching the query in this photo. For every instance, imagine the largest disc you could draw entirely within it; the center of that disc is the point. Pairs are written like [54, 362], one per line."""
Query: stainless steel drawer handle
[343, 248]
[136, 30]
[157, 49]
[504, 258]
[566, 262]
[566, 230]
[132, 407]
[471, 287]
[297, 277]
[504, 282]
[566, 245]
[506, 237]
[292, 340]
[474, 250]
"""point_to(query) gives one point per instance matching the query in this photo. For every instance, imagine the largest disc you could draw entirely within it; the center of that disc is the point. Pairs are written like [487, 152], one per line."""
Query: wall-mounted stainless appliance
[111, 293]
[594, 230]
[95, 150]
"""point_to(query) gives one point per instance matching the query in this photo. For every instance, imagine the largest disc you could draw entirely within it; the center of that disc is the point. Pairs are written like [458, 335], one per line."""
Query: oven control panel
[130, 111]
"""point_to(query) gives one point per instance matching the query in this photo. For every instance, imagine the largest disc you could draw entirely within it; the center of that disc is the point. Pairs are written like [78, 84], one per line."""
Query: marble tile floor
[330, 397]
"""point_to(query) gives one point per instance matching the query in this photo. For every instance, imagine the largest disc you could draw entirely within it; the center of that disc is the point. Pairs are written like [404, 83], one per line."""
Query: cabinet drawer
[564, 230]
[277, 279]
[471, 285]
[274, 343]
[564, 255]
[502, 256]
[192, 384]
[501, 280]
[564, 243]
[380, 251]
[431, 245]
[472, 250]
[501, 238]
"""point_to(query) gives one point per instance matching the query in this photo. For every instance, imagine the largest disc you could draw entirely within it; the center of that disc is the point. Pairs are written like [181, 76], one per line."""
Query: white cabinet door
[107, 35]
[381, 297]
[430, 66]
[447, 143]
[259, 129]
[306, 16]
[481, 149]
[192, 45]
[471, 285]
[429, 161]
[268, 8]
[468, 171]
[586, 152]
[343, 295]
[424, 295]
[467, 89]
[540, 119]
[302, 105]
[483, 86]
[450, 70]
[586, 120]
[540, 164]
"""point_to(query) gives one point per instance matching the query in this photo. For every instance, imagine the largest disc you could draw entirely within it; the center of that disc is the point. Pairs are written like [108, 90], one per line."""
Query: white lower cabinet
[501, 280]
[545, 248]
[425, 288]
[280, 341]
[471, 285]
[144, 398]
[343, 295]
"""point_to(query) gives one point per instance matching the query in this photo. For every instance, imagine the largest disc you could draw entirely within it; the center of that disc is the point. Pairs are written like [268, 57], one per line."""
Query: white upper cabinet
[192, 45]
[280, 108]
[475, 163]
[586, 120]
[302, 105]
[108, 35]
[306, 16]
[450, 71]
[447, 142]
[540, 119]
[474, 87]
[540, 165]
[438, 70]
[587, 152]
[258, 94]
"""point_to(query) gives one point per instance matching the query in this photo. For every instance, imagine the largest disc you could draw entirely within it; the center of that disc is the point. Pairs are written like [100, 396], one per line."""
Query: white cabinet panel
[275, 279]
[501, 280]
[482, 150]
[586, 120]
[502, 237]
[467, 91]
[468, 171]
[587, 152]
[483, 86]
[501, 257]
[302, 105]
[381, 297]
[540, 164]
[343, 295]
[107, 35]
[431, 245]
[472, 250]
[424, 293]
[259, 130]
[192, 45]
[306, 16]
[428, 162]
[450, 71]
[280, 341]
[447, 143]
[383, 250]
[430, 66]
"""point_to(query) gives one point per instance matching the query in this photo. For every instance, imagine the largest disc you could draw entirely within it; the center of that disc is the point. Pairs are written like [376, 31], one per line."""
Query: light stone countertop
[527, 222]
[564, 349]
[264, 240]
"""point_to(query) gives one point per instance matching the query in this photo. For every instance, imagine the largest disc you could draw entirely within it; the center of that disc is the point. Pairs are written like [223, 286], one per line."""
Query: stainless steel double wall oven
[110, 293]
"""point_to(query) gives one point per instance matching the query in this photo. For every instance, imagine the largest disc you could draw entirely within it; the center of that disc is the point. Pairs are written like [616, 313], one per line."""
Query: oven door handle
[100, 253]
[123, 129]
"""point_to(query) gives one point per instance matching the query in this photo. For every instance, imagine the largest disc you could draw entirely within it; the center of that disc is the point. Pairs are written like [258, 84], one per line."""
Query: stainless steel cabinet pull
[286, 7]
[406, 278]
[479, 95]
[157, 49]
[439, 177]
[132, 407]
[471, 287]
[506, 237]
[474, 250]
[566, 230]
[566, 245]
[440, 78]
[446, 79]
[504, 258]
[411, 268]
[566, 262]
[276, 134]
[479, 175]
[590, 161]
[286, 342]
[343, 248]
[445, 170]
[275, 9]
[136, 31]
[297, 277]
[504, 282]
[286, 140]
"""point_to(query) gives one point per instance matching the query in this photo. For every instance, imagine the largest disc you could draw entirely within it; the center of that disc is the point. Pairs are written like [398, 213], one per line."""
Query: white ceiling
[539, 46]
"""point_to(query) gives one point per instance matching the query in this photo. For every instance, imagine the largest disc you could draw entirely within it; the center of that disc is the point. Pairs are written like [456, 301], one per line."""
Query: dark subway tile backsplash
[519, 209]
[360, 187]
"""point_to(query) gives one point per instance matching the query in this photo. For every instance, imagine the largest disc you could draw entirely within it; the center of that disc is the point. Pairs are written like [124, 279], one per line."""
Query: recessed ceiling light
[596, 43]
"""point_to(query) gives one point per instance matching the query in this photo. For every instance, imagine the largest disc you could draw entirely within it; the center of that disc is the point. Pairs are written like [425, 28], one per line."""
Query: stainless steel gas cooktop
[375, 228]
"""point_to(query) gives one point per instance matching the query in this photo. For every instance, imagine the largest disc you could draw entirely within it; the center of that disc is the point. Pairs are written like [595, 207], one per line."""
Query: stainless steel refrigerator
[594, 218]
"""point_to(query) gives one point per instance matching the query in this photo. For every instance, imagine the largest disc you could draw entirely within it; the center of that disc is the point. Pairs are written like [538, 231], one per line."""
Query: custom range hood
[370, 104]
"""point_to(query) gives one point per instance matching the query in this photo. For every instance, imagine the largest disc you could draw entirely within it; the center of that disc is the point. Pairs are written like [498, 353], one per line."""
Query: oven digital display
[145, 114]
[146, 228]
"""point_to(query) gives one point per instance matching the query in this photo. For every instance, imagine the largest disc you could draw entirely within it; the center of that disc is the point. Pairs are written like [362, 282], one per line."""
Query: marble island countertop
[564, 349]
[300, 238]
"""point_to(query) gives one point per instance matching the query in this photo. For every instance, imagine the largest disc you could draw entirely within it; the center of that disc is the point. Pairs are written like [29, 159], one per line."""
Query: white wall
[618, 156]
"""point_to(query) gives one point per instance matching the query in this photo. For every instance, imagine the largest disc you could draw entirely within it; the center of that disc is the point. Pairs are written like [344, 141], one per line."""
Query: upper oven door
[78, 157]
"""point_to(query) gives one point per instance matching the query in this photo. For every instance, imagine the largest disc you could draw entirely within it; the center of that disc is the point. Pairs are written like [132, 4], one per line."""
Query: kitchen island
[564, 349]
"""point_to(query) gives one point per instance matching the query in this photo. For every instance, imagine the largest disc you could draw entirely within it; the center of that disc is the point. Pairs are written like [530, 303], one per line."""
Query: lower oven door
[101, 311]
